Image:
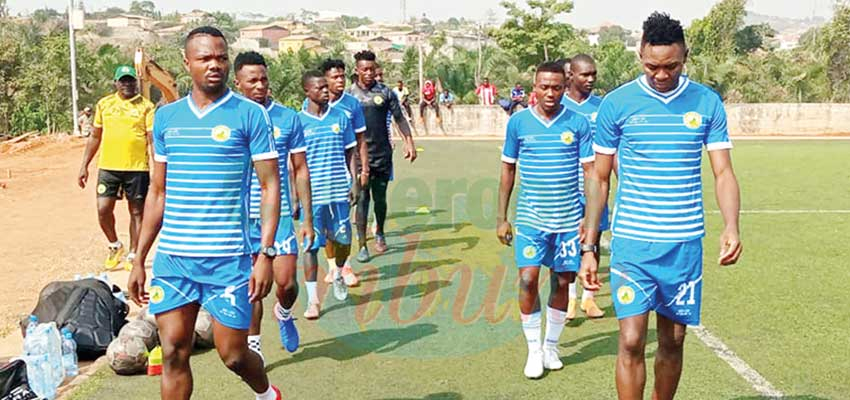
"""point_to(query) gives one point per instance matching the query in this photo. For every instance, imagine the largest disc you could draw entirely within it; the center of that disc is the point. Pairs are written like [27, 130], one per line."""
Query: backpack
[13, 382]
[87, 308]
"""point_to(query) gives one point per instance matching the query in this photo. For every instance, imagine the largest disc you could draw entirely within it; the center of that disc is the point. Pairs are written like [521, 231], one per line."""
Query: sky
[586, 13]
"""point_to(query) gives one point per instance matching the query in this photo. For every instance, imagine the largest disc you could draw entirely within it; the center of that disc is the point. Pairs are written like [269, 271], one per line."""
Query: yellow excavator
[149, 73]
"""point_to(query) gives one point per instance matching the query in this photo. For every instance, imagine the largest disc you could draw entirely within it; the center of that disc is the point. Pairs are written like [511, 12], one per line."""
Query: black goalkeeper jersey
[377, 102]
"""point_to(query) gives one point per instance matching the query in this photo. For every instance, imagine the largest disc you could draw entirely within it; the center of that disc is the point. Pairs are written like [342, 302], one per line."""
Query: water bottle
[69, 354]
[30, 339]
[45, 376]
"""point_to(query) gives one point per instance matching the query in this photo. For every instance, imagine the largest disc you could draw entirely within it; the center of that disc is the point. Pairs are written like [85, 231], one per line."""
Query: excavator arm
[150, 73]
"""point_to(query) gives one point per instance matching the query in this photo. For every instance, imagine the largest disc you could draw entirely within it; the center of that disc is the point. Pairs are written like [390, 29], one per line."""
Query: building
[129, 21]
[294, 43]
[356, 46]
[268, 35]
[177, 30]
[405, 38]
[193, 17]
[379, 44]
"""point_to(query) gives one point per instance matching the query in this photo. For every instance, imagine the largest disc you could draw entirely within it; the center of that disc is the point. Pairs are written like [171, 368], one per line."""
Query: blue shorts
[284, 240]
[331, 222]
[664, 277]
[559, 251]
[219, 284]
[604, 222]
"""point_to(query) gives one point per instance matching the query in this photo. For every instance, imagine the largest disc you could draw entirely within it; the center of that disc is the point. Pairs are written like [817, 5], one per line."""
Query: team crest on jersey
[625, 295]
[221, 133]
[335, 128]
[593, 116]
[692, 120]
[568, 137]
[276, 132]
[157, 294]
[529, 252]
[378, 100]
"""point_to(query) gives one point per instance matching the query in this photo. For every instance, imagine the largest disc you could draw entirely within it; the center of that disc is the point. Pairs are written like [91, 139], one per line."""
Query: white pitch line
[787, 211]
[758, 382]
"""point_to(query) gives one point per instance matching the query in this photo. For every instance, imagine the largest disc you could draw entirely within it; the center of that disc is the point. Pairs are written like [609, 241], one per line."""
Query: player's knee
[632, 343]
[104, 211]
[528, 281]
[235, 360]
[673, 343]
[176, 351]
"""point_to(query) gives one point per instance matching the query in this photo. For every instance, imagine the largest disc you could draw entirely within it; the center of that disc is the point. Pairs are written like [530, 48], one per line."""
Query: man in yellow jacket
[123, 122]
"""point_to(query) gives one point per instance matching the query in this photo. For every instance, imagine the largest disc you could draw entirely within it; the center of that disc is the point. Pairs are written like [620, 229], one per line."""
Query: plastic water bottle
[30, 339]
[47, 384]
[69, 354]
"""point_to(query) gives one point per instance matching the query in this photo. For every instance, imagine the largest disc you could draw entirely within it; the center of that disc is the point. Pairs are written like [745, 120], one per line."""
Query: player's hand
[587, 273]
[505, 232]
[83, 177]
[730, 247]
[296, 211]
[409, 151]
[307, 234]
[136, 282]
[354, 193]
[261, 280]
[364, 178]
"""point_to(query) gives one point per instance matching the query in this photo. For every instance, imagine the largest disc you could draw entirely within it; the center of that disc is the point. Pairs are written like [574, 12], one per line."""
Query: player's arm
[269, 178]
[506, 187]
[404, 129]
[151, 224]
[303, 192]
[729, 200]
[92, 145]
[363, 154]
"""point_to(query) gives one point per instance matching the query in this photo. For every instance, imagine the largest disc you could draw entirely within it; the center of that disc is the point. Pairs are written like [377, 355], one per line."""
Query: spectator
[403, 96]
[532, 99]
[447, 99]
[85, 121]
[486, 93]
[517, 98]
[429, 99]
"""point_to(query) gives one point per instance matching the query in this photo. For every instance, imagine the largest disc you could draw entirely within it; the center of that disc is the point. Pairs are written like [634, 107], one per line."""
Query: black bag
[87, 308]
[13, 382]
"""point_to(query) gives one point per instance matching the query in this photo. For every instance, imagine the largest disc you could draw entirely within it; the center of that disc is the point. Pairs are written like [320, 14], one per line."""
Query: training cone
[155, 361]
[424, 210]
[420, 149]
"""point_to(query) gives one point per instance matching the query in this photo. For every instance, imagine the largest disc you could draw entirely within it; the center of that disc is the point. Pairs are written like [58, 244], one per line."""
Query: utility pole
[403, 11]
[73, 45]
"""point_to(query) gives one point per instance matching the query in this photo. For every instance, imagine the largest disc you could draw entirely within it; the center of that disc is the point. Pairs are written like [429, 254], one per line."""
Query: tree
[613, 33]
[531, 35]
[753, 37]
[349, 22]
[833, 46]
[715, 34]
[143, 7]
[43, 15]
[615, 64]
[4, 10]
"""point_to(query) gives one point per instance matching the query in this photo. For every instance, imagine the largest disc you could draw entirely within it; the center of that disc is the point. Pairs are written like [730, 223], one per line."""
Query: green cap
[124, 70]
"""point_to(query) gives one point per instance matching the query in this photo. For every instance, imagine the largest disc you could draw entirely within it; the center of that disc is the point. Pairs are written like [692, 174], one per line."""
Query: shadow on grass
[598, 345]
[356, 345]
[432, 396]
[469, 241]
[396, 270]
[801, 397]
[422, 228]
[389, 294]
[408, 214]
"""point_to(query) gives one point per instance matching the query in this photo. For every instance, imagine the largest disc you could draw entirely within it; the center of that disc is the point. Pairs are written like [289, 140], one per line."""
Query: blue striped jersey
[548, 155]
[658, 138]
[588, 109]
[352, 109]
[328, 137]
[288, 138]
[208, 155]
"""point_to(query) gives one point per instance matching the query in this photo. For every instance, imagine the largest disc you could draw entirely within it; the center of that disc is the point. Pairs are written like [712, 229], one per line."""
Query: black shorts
[116, 184]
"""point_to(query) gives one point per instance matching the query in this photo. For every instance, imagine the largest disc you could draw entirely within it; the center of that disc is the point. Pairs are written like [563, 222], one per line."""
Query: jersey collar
[570, 99]
[319, 118]
[339, 99]
[550, 122]
[201, 114]
[667, 97]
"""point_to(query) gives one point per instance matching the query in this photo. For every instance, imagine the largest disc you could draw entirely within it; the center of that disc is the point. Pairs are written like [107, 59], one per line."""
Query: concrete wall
[768, 119]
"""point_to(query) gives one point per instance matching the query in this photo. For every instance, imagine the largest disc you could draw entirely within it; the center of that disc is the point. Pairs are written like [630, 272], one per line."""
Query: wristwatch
[268, 251]
[589, 248]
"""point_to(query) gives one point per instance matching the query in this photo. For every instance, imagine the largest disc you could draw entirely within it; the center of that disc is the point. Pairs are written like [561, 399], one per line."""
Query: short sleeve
[717, 137]
[510, 151]
[585, 142]
[297, 144]
[160, 151]
[260, 135]
[98, 115]
[358, 118]
[608, 131]
[348, 134]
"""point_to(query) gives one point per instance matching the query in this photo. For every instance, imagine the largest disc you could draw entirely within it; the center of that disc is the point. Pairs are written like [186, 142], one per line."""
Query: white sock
[331, 262]
[572, 289]
[268, 395]
[116, 245]
[311, 292]
[131, 256]
[555, 320]
[531, 329]
[253, 338]
[281, 313]
[586, 294]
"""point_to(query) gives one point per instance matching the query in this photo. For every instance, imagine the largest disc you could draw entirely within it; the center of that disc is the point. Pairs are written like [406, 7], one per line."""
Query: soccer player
[334, 71]
[123, 122]
[377, 100]
[657, 125]
[252, 80]
[579, 99]
[331, 144]
[204, 147]
[548, 141]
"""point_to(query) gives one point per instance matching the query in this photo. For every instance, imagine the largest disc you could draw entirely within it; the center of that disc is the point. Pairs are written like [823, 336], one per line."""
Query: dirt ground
[48, 224]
